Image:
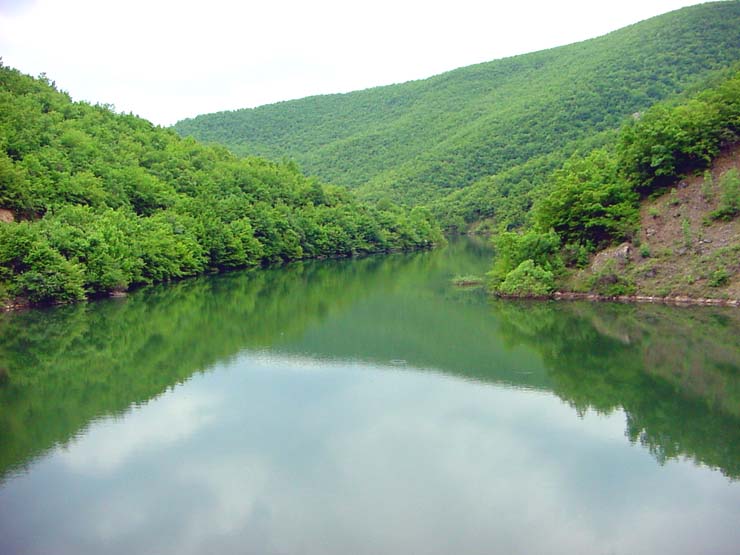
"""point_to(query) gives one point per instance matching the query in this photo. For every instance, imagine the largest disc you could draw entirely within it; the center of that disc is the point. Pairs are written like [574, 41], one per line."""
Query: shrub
[575, 255]
[610, 283]
[730, 202]
[528, 279]
[719, 277]
[514, 248]
[467, 280]
[707, 187]
[50, 277]
[686, 232]
[589, 203]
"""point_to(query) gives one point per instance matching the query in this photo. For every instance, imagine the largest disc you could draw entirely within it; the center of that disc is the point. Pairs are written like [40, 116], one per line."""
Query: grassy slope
[420, 141]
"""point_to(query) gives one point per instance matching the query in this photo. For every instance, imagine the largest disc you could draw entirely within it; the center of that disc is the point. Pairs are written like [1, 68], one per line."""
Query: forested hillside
[92, 201]
[478, 141]
[667, 188]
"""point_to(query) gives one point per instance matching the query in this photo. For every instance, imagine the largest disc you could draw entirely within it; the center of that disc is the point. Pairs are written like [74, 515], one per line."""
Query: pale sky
[169, 59]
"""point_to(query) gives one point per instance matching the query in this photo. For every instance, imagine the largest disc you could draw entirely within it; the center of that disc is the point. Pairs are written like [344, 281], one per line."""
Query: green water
[368, 406]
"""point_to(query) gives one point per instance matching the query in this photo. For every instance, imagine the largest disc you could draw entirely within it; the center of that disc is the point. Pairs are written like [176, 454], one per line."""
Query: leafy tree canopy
[478, 142]
[105, 201]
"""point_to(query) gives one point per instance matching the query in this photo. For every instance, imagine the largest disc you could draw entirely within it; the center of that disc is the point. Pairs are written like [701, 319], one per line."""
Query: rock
[6, 215]
[620, 256]
[624, 251]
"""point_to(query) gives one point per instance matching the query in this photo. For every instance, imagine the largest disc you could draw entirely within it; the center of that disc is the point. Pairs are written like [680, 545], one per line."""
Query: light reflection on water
[367, 407]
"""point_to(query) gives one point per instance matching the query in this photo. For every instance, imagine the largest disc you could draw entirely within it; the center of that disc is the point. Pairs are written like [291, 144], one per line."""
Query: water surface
[368, 406]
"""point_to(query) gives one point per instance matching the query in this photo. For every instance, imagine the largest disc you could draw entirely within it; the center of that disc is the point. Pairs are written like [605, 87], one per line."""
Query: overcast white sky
[170, 59]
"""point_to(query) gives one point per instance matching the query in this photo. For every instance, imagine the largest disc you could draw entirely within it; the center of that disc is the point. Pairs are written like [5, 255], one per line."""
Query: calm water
[368, 406]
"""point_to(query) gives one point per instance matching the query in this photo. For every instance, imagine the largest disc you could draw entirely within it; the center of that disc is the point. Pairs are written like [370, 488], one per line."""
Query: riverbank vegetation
[553, 153]
[95, 202]
[666, 160]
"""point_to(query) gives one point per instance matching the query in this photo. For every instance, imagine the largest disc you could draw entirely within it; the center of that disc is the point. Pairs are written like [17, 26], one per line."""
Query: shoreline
[18, 304]
[625, 299]
[678, 300]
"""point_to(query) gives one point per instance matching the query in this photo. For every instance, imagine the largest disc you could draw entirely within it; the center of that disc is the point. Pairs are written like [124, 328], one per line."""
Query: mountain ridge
[419, 141]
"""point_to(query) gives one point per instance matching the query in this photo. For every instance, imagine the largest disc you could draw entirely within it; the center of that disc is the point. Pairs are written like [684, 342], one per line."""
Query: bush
[575, 255]
[730, 202]
[668, 141]
[590, 204]
[514, 248]
[719, 277]
[528, 279]
[688, 238]
[610, 282]
[707, 187]
[50, 277]
[671, 140]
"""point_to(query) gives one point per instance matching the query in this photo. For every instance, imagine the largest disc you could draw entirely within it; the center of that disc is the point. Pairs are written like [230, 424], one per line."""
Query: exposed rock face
[6, 215]
[618, 256]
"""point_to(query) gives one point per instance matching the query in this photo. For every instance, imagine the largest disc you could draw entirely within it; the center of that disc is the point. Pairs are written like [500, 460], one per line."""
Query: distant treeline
[103, 201]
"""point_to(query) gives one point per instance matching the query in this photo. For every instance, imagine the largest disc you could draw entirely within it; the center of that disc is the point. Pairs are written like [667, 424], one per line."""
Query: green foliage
[528, 279]
[111, 201]
[589, 204]
[43, 273]
[611, 282]
[50, 277]
[729, 206]
[512, 249]
[478, 142]
[467, 280]
[707, 187]
[592, 201]
[719, 277]
[575, 255]
[672, 139]
[688, 237]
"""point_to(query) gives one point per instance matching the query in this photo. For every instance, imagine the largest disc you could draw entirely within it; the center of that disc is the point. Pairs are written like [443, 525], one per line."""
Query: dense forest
[479, 142]
[100, 201]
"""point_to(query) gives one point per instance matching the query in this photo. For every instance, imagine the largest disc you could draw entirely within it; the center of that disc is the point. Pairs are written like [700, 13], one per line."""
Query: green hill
[438, 141]
[667, 189]
[92, 201]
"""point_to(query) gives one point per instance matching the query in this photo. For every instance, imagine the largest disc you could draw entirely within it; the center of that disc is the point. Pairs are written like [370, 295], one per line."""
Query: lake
[368, 407]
